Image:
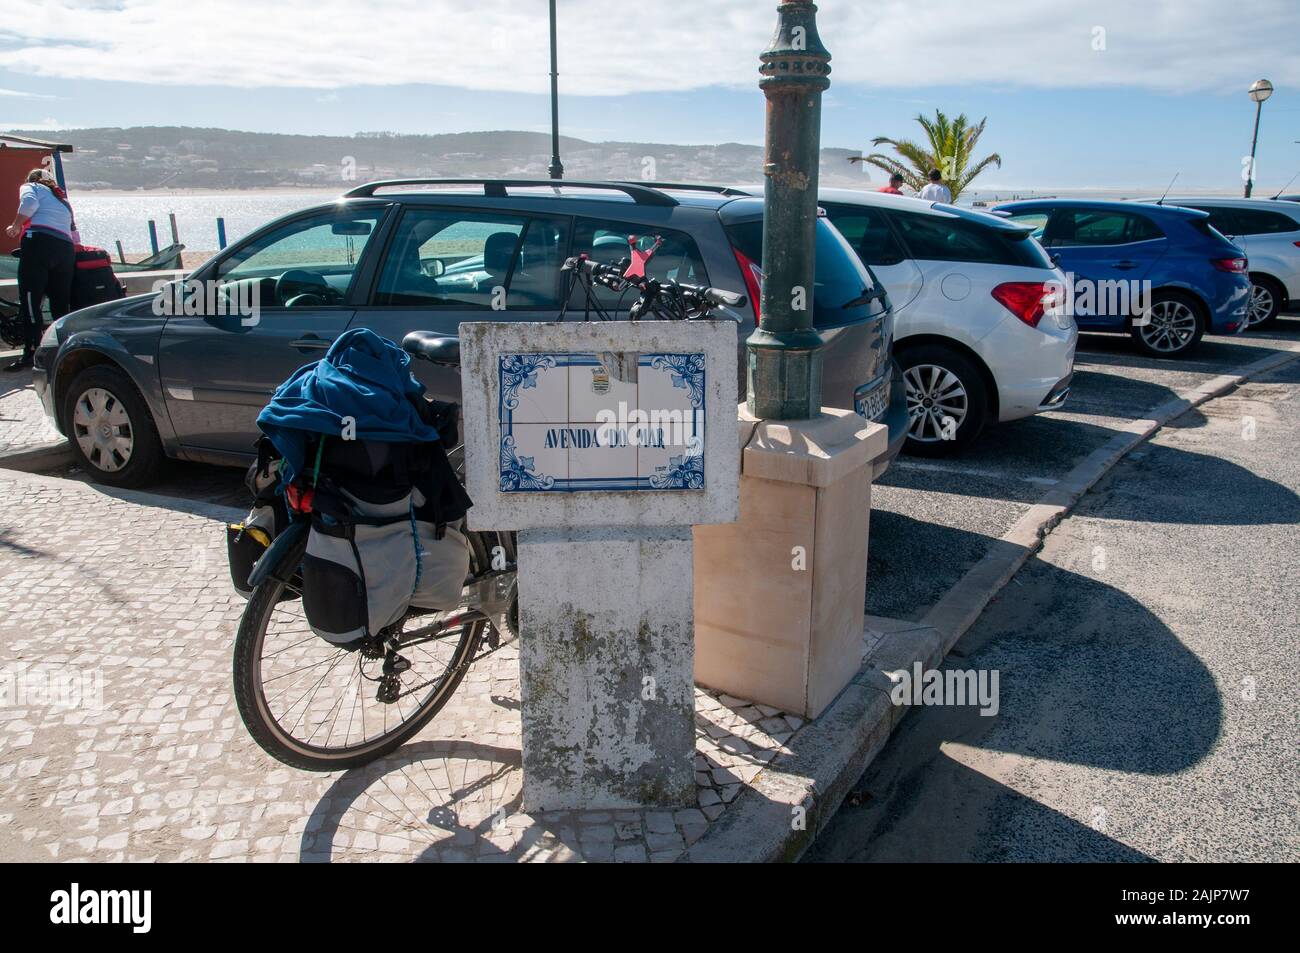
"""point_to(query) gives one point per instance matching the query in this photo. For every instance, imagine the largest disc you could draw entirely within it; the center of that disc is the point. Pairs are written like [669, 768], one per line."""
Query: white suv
[971, 335]
[1269, 233]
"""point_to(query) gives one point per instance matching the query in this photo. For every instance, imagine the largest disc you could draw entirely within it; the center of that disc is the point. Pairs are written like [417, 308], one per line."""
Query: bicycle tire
[279, 743]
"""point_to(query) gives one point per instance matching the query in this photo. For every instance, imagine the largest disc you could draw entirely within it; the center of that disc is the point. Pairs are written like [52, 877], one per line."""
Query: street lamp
[1259, 91]
[783, 373]
[556, 168]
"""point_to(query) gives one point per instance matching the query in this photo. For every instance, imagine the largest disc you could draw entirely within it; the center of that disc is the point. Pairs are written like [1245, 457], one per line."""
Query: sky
[1104, 94]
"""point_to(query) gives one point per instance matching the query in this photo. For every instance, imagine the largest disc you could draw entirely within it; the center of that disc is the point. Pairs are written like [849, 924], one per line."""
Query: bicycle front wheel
[315, 706]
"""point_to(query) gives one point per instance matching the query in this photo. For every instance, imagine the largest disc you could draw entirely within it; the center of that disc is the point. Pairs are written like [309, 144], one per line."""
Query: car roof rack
[684, 187]
[496, 188]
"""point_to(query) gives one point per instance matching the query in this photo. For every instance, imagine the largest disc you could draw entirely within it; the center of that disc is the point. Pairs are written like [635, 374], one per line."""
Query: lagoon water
[102, 219]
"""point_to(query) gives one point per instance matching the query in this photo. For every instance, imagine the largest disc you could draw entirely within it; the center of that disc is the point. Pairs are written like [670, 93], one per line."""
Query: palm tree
[949, 149]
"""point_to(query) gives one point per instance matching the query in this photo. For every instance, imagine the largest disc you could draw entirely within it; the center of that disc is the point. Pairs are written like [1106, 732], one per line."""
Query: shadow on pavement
[90, 575]
[1088, 677]
[1214, 355]
[1114, 395]
[428, 801]
[911, 562]
[1254, 500]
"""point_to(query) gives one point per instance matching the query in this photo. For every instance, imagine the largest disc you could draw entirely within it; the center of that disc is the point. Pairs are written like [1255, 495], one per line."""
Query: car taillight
[753, 276]
[1235, 265]
[1027, 300]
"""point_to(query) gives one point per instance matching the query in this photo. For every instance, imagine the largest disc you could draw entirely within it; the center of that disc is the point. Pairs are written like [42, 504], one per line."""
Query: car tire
[1174, 327]
[1266, 300]
[110, 429]
[941, 383]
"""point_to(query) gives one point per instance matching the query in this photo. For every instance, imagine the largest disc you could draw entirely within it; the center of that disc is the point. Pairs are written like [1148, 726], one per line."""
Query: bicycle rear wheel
[313, 705]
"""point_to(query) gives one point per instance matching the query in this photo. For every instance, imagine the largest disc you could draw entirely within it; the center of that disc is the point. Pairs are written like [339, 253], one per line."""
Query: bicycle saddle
[433, 347]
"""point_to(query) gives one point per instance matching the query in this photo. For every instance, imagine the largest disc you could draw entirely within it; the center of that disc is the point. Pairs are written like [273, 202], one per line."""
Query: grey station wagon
[132, 383]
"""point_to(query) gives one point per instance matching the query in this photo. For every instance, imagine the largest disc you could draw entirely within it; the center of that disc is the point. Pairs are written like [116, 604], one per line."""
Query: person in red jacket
[895, 186]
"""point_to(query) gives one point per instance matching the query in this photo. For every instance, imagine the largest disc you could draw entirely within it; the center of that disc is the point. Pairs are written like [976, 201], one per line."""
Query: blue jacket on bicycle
[362, 386]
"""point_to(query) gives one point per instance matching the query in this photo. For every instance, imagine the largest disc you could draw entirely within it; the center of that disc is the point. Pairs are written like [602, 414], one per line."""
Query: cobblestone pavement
[23, 424]
[128, 609]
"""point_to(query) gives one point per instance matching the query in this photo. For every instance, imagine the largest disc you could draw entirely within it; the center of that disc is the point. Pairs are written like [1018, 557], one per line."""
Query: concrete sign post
[603, 443]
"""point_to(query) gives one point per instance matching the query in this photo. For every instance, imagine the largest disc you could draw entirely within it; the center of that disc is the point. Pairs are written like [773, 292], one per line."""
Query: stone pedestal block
[605, 668]
[779, 594]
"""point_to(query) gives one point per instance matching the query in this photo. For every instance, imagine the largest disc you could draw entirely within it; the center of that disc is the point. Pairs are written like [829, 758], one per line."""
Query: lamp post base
[783, 383]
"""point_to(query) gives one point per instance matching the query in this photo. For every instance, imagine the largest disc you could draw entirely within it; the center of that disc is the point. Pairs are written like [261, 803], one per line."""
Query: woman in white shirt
[47, 256]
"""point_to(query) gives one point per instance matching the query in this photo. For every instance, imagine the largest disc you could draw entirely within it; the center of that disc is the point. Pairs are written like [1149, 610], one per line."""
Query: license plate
[873, 403]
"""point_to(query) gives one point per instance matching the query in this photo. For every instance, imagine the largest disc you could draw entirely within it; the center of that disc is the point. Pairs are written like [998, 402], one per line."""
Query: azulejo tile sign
[601, 421]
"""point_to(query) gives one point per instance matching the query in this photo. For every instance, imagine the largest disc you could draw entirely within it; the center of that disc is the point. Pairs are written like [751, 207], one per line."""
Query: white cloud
[49, 124]
[665, 45]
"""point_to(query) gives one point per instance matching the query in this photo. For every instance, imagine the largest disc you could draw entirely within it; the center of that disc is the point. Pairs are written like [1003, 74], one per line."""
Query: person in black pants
[47, 256]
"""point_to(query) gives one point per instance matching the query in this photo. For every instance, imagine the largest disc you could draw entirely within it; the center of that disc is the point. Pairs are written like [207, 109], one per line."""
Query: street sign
[590, 422]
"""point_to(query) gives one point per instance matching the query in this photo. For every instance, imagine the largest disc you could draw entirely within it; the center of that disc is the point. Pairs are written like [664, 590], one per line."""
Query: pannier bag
[93, 281]
[246, 541]
[366, 563]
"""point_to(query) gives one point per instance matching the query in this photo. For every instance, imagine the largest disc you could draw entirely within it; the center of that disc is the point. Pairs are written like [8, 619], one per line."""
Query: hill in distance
[179, 157]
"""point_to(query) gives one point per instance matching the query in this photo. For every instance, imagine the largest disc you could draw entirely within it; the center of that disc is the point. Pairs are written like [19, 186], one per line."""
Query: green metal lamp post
[783, 373]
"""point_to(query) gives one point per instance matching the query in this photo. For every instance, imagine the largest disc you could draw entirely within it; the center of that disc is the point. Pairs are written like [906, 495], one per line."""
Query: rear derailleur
[395, 665]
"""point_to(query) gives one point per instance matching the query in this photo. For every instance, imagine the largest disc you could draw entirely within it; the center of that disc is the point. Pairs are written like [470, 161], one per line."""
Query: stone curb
[832, 752]
[43, 456]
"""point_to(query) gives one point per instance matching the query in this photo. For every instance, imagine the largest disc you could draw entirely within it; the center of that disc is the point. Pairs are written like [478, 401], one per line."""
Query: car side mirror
[433, 267]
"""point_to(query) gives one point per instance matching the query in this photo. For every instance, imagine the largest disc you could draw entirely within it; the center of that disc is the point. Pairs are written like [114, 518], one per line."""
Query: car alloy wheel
[934, 394]
[1261, 305]
[102, 429]
[1170, 327]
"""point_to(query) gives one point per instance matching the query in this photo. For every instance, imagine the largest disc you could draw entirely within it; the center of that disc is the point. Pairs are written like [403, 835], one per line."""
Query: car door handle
[311, 343]
[1124, 265]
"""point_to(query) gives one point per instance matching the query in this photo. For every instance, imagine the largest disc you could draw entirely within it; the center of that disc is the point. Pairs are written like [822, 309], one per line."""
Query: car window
[1035, 220]
[844, 289]
[677, 258]
[869, 232]
[1248, 221]
[940, 238]
[309, 261]
[1224, 220]
[455, 258]
[1099, 227]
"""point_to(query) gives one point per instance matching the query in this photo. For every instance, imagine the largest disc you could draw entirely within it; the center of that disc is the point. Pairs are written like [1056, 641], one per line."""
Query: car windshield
[843, 284]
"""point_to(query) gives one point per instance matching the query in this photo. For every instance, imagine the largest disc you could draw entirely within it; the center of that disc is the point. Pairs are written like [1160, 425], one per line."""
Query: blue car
[1158, 272]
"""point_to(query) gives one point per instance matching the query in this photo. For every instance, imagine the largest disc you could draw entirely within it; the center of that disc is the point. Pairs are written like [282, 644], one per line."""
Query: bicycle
[13, 330]
[316, 715]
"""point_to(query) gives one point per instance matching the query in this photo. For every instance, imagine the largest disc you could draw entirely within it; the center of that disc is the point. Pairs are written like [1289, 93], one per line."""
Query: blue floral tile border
[572, 423]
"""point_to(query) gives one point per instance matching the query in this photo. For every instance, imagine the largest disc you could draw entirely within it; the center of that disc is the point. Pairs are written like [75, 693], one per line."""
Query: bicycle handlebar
[688, 302]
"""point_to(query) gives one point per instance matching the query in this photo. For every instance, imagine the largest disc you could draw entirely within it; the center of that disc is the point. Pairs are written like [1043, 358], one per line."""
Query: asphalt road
[1147, 669]
[932, 520]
